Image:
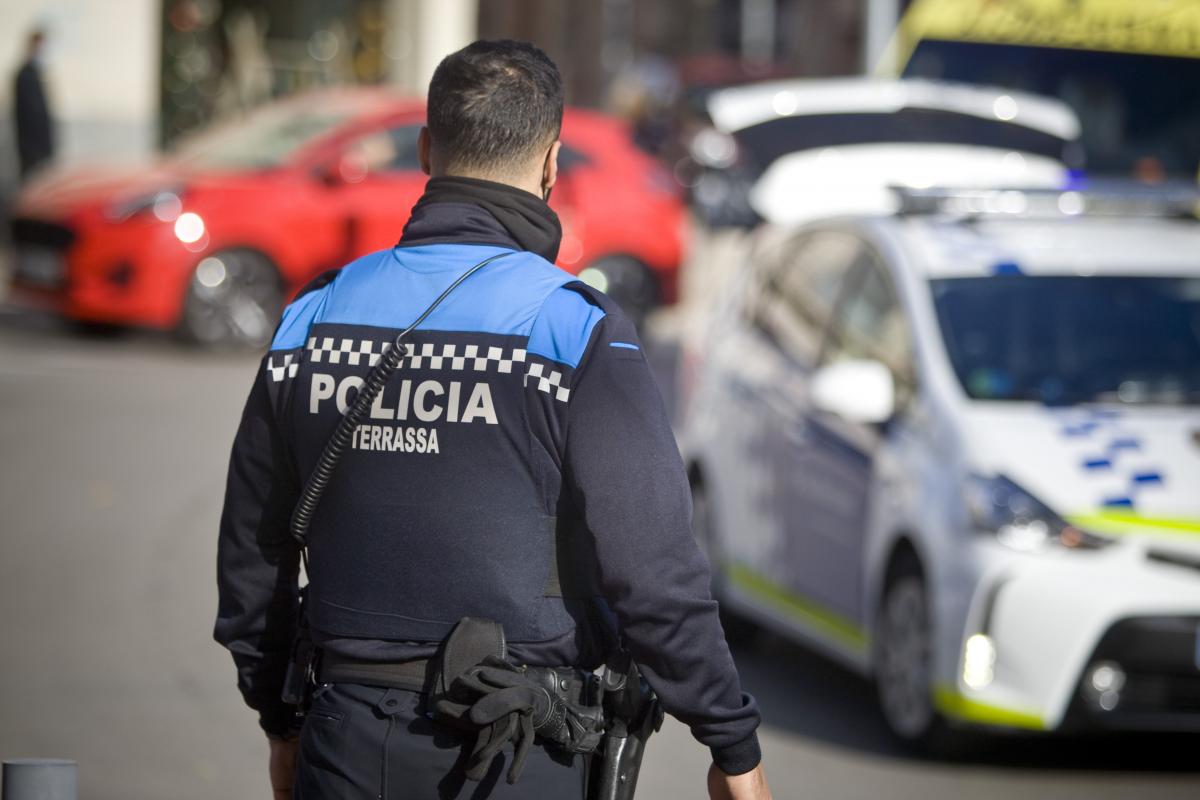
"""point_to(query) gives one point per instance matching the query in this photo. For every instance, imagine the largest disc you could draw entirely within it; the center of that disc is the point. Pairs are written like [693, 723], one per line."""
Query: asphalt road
[113, 452]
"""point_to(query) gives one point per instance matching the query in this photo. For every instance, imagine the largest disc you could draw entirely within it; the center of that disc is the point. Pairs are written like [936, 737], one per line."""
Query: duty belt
[416, 675]
[471, 685]
[570, 684]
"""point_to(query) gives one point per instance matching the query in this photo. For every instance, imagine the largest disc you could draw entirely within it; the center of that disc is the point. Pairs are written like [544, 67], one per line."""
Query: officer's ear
[423, 147]
[550, 168]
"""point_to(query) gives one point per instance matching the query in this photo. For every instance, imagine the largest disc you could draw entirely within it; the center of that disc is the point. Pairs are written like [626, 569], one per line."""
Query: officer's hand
[283, 766]
[750, 785]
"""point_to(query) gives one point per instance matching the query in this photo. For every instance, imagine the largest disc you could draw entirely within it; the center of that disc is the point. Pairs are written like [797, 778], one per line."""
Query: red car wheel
[234, 298]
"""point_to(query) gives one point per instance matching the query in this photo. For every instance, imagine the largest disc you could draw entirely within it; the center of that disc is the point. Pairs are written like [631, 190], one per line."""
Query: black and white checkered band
[548, 380]
[283, 366]
[338, 350]
[331, 350]
[546, 377]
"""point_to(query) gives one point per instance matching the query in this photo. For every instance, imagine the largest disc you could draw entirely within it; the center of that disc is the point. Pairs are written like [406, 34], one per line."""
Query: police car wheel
[903, 661]
[234, 298]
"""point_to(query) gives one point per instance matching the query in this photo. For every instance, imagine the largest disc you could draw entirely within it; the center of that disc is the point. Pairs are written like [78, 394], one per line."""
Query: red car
[212, 239]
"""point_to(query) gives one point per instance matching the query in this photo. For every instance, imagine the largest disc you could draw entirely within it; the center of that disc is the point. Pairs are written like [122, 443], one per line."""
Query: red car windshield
[265, 139]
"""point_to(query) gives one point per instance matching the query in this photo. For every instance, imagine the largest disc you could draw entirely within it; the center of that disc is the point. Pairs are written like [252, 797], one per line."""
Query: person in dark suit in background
[35, 128]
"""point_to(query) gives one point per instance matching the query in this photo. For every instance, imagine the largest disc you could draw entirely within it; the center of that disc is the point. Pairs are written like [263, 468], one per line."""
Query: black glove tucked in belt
[508, 703]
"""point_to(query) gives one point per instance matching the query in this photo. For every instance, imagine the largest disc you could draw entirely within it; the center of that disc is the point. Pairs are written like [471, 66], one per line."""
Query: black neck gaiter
[528, 219]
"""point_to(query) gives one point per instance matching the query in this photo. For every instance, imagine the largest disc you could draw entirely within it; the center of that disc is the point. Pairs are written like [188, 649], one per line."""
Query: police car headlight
[1001, 508]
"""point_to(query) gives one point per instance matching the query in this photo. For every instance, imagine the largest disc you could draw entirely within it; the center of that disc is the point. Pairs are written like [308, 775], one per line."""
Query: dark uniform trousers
[368, 742]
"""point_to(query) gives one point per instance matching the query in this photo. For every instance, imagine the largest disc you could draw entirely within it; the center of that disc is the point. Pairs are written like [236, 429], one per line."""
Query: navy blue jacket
[517, 465]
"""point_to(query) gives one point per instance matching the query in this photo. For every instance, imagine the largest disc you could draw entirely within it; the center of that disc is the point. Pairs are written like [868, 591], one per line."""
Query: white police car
[958, 448]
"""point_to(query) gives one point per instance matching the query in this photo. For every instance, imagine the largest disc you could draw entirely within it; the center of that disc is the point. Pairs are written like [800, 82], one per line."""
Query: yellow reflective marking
[1163, 28]
[952, 703]
[829, 622]
[1128, 522]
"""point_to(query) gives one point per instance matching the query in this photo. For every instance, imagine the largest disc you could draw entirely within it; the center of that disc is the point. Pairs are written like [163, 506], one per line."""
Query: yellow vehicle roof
[1153, 27]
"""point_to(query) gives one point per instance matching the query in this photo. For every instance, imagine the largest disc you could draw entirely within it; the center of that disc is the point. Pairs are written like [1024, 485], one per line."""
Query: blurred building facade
[222, 57]
[126, 76]
[706, 40]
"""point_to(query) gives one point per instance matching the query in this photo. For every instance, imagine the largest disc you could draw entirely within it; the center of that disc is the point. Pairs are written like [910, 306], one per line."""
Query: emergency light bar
[1125, 201]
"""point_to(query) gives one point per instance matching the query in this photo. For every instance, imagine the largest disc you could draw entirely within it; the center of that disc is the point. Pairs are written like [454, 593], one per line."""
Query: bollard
[39, 779]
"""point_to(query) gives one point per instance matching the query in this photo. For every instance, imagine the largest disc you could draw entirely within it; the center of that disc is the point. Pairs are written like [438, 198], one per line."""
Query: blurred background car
[212, 239]
[954, 447]
[789, 151]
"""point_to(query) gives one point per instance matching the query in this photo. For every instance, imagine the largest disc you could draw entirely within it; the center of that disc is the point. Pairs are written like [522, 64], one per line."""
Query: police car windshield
[1065, 340]
[263, 140]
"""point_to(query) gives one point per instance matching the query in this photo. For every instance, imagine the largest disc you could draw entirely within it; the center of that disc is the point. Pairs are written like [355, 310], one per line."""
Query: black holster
[633, 713]
[301, 677]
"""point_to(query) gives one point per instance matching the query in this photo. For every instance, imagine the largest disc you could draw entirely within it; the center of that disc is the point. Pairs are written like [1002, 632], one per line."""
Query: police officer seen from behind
[507, 513]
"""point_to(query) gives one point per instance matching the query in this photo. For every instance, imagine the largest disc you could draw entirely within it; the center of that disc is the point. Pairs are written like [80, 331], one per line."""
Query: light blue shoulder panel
[520, 294]
[392, 288]
[564, 327]
[298, 318]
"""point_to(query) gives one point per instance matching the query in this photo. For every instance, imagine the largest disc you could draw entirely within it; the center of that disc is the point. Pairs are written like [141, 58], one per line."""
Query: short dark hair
[494, 104]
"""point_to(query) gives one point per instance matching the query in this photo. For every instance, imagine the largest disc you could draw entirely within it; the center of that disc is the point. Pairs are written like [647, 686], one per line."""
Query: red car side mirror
[349, 167]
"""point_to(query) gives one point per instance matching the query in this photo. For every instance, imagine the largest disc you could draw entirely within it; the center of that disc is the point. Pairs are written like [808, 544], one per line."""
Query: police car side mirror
[858, 391]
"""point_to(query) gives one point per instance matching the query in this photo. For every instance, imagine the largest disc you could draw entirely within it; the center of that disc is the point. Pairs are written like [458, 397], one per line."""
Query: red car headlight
[164, 204]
